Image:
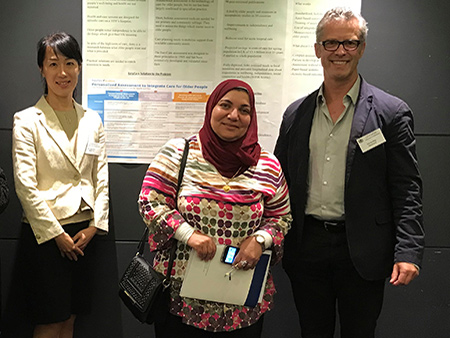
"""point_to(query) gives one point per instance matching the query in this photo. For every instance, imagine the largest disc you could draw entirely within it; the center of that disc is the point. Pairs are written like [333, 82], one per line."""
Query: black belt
[330, 226]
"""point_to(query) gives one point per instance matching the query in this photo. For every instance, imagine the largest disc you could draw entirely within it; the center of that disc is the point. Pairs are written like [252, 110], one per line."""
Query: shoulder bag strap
[174, 244]
[182, 166]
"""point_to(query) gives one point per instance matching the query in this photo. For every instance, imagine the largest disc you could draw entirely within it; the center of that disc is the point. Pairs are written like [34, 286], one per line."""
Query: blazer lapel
[299, 134]
[362, 111]
[83, 133]
[50, 122]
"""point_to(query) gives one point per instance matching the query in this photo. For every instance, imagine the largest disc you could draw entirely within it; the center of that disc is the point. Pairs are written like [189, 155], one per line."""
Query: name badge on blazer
[93, 148]
[371, 140]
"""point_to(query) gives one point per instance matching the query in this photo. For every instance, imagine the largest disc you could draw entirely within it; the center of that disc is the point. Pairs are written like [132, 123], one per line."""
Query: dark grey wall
[408, 55]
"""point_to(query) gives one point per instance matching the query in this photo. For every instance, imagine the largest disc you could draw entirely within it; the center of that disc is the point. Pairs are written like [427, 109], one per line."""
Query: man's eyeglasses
[333, 45]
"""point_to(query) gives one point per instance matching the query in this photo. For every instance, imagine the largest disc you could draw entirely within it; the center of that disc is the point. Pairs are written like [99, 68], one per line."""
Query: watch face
[261, 241]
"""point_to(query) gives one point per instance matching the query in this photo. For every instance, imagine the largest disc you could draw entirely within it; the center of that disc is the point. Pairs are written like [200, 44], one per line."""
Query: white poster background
[149, 65]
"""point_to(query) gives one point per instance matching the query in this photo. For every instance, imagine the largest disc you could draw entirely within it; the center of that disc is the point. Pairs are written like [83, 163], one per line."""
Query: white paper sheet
[208, 280]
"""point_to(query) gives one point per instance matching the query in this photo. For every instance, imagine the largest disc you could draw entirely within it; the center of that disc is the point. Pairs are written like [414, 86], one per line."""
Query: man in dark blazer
[348, 153]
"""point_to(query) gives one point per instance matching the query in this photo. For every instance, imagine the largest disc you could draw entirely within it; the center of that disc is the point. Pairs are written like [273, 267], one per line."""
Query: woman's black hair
[61, 43]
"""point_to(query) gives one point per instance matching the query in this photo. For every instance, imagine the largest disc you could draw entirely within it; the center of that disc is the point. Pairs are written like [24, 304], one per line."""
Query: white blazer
[49, 180]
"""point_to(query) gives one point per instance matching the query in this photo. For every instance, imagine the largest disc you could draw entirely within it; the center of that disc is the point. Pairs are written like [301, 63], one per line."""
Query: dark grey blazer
[383, 189]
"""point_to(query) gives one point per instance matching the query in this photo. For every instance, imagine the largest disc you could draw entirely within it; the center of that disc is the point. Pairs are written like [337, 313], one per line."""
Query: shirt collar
[353, 93]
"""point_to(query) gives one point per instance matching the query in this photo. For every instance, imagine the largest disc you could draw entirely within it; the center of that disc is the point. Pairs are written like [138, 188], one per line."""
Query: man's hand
[403, 273]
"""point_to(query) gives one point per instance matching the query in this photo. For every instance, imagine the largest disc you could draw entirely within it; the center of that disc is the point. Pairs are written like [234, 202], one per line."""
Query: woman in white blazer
[61, 179]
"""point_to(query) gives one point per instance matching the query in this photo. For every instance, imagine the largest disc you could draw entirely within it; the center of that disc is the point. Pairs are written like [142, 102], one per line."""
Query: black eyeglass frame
[323, 43]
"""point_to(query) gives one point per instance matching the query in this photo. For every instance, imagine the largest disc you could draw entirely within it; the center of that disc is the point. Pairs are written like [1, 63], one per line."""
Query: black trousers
[326, 279]
[173, 327]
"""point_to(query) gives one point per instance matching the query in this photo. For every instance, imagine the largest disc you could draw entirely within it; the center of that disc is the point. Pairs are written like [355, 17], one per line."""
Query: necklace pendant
[226, 188]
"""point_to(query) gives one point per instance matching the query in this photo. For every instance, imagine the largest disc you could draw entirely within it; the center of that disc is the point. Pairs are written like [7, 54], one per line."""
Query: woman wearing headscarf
[61, 179]
[232, 193]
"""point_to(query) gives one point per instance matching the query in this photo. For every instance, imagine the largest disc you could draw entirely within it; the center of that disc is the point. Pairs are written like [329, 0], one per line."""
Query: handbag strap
[182, 166]
[174, 245]
[167, 282]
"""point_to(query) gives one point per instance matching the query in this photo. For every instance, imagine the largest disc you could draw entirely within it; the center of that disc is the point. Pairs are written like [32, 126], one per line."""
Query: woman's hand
[83, 237]
[203, 245]
[67, 247]
[249, 253]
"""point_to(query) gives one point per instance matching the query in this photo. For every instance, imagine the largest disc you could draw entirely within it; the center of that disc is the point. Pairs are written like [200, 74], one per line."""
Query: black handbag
[144, 291]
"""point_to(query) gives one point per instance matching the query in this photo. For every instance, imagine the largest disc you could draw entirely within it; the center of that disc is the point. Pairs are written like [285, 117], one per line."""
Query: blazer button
[76, 177]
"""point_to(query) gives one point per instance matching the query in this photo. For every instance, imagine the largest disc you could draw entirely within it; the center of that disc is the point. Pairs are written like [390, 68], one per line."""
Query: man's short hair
[342, 13]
